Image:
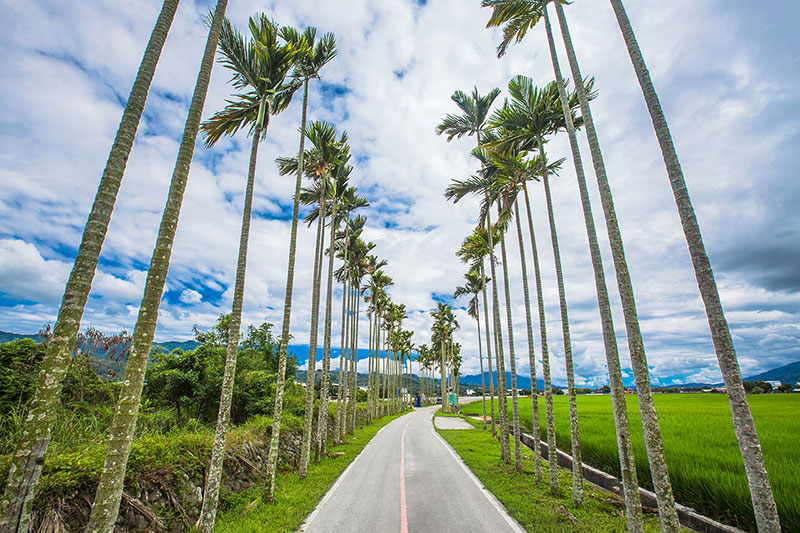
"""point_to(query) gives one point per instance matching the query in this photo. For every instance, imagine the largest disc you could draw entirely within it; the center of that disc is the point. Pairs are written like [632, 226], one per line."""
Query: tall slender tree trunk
[211, 493]
[630, 483]
[109, 491]
[354, 361]
[386, 363]
[442, 368]
[311, 377]
[480, 359]
[577, 465]
[548, 390]
[322, 422]
[346, 367]
[511, 359]
[26, 467]
[488, 350]
[369, 370]
[340, 397]
[766, 511]
[280, 382]
[652, 433]
[537, 451]
[498, 339]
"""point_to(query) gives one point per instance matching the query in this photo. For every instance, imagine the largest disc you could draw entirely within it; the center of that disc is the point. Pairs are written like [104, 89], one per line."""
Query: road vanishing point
[408, 479]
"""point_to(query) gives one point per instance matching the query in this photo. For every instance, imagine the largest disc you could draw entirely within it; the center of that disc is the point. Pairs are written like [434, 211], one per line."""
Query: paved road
[409, 480]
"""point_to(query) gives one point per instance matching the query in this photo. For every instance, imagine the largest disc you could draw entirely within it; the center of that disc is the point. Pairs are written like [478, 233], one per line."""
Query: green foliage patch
[532, 504]
[703, 457]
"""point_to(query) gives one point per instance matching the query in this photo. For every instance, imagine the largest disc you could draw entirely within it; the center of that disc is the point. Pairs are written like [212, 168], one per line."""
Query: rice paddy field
[702, 453]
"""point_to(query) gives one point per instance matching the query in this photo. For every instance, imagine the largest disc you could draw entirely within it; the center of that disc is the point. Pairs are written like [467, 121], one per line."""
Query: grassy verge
[294, 498]
[532, 504]
[700, 445]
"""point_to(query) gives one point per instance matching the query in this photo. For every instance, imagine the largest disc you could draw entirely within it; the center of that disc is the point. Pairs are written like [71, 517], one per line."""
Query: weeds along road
[409, 480]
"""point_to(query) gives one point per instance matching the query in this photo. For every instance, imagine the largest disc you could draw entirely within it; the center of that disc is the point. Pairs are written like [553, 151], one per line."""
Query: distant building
[775, 384]
[471, 392]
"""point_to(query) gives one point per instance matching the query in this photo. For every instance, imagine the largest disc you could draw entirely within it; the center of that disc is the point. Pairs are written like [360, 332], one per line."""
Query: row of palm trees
[267, 66]
[511, 151]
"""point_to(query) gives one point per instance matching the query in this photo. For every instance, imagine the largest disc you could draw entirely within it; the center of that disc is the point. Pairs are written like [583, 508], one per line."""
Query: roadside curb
[688, 517]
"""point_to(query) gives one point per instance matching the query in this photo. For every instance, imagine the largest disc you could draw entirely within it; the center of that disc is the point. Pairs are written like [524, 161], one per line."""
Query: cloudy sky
[727, 73]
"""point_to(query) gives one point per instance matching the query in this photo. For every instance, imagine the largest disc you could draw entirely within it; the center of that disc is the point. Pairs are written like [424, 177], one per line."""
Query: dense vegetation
[181, 389]
[700, 445]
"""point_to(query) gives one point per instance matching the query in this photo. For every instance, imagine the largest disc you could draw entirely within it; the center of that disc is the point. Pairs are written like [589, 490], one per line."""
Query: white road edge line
[324, 500]
[515, 526]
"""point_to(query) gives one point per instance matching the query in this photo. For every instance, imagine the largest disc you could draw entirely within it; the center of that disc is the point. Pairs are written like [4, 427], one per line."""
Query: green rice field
[702, 454]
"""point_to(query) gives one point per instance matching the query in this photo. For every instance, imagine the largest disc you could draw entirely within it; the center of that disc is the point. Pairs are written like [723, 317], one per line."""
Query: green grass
[700, 445]
[294, 498]
[532, 504]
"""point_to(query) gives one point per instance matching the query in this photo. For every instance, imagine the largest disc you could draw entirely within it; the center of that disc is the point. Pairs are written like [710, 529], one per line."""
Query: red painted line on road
[403, 509]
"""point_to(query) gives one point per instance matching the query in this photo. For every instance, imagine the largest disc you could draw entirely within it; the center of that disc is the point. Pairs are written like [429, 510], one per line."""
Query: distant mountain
[523, 382]
[174, 345]
[302, 375]
[6, 336]
[785, 374]
[167, 346]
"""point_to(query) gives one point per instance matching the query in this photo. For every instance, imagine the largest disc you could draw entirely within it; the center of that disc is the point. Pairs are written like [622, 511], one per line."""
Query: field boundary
[688, 517]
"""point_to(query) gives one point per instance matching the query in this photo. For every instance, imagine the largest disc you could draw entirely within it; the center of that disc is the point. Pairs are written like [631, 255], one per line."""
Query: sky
[727, 74]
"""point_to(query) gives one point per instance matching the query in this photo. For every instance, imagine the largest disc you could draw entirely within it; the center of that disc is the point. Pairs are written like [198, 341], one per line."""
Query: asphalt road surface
[409, 480]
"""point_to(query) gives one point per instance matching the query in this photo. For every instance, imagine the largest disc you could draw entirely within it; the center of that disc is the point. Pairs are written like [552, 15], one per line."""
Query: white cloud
[730, 116]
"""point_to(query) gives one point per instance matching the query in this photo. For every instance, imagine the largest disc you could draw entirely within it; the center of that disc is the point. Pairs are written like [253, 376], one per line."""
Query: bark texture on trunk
[764, 505]
[480, 359]
[211, 493]
[340, 399]
[308, 415]
[629, 476]
[537, 452]
[652, 433]
[442, 367]
[488, 350]
[498, 339]
[577, 470]
[109, 491]
[548, 391]
[280, 382]
[512, 360]
[322, 422]
[354, 363]
[26, 467]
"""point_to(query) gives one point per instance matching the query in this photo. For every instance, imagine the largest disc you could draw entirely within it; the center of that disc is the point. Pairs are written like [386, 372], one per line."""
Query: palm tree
[378, 300]
[511, 355]
[358, 271]
[352, 228]
[766, 511]
[324, 157]
[476, 248]
[473, 122]
[373, 266]
[260, 65]
[311, 61]
[28, 458]
[516, 172]
[520, 16]
[109, 494]
[522, 124]
[340, 175]
[474, 285]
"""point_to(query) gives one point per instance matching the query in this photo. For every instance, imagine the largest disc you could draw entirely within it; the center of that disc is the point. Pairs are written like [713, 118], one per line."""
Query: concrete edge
[688, 517]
